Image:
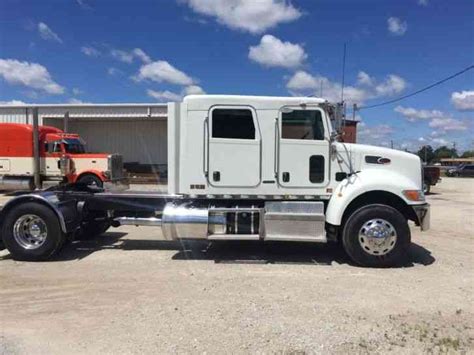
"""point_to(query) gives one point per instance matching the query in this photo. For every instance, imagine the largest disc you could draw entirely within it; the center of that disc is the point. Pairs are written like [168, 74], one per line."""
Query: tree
[445, 152]
[468, 154]
[426, 153]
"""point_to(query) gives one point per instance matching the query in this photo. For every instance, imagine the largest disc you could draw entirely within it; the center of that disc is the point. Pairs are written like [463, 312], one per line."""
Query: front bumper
[423, 215]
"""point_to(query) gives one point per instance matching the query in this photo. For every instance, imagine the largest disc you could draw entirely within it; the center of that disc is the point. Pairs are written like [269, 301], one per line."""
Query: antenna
[343, 72]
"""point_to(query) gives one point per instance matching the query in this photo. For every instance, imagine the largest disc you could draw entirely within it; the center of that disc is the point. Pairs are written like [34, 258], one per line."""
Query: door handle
[286, 176]
[216, 176]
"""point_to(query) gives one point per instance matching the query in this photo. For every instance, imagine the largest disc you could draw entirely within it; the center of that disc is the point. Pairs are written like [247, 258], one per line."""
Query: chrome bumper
[423, 215]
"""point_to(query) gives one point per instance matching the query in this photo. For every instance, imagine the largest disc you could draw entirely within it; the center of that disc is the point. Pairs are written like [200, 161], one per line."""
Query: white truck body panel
[256, 167]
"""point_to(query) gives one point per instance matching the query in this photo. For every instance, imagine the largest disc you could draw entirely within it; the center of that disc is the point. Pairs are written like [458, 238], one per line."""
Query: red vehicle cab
[63, 157]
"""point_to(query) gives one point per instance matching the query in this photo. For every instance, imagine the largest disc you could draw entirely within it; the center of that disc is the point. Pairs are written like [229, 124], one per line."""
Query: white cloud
[448, 124]
[113, 71]
[162, 71]
[76, 91]
[375, 135]
[413, 115]
[140, 54]
[129, 56]
[302, 80]
[31, 75]
[272, 52]
[123, 56]
[397, 26]
[90, 51]
[171, 96]
[423, 2]
[392, 85]
[463, 101]
[254, 16]
[13, 103]
[47, 33]
[164, 95]
[75, 101]
[303, 84]
[364, 79]
[83, 4]
[193, 90]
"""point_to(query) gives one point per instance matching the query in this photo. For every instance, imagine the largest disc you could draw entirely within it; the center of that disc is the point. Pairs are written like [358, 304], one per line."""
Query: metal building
[137, 131]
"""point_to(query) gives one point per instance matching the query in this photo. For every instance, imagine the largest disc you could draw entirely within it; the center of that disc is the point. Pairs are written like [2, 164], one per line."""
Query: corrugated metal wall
[138, 132]
[138, 140]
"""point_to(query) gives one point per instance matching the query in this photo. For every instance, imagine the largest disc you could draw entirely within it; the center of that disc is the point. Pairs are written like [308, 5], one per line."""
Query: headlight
[414, 195]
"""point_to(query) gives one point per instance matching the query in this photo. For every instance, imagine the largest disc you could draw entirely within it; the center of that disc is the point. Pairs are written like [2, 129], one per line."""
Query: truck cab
[63, 157]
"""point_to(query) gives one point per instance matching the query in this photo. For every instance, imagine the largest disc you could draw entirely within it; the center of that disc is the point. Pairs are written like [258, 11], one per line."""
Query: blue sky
[159, 50]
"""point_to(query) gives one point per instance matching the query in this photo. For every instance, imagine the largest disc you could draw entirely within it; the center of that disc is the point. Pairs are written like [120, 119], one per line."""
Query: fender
[45, 198]
[98, 173]
[366, 181]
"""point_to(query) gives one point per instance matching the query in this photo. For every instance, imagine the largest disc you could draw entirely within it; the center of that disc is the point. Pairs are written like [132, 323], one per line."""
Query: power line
[418, 91]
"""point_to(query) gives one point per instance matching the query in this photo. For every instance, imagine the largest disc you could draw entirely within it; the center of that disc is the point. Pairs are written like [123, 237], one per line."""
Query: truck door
[52, 155]
[234, 147]
[302, 147]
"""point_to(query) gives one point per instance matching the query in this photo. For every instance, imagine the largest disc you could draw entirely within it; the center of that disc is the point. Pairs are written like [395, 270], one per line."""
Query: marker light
[414, 195]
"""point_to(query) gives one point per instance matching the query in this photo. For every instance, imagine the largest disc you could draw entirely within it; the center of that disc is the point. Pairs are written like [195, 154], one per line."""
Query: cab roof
[203, 102]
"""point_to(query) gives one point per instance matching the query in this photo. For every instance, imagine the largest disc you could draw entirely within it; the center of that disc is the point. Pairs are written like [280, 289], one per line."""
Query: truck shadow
[232, 252]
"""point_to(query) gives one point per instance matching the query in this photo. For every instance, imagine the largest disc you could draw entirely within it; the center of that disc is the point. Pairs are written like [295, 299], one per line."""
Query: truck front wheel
[32, 232]
[376, 236]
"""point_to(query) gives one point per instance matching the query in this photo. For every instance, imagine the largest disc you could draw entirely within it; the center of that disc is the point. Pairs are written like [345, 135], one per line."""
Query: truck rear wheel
[91, 180]
[376, 236]
[32, 232]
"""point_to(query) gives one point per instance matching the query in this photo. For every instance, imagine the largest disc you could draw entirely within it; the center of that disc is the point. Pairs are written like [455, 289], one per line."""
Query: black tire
[352, 246]
[426, 187]
[92, 230]
[91, 180]
[54, 237]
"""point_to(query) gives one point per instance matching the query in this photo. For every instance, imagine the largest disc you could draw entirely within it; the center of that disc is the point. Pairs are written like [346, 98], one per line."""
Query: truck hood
[402, 163]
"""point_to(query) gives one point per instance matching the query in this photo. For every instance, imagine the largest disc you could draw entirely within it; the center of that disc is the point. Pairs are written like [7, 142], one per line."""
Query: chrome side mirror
[335, 136]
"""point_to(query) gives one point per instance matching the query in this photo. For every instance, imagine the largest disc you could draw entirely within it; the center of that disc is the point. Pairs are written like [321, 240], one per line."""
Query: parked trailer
[246, 168]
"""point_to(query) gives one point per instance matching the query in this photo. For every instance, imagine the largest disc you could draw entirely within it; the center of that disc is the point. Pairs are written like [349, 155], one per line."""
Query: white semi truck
[246, 168]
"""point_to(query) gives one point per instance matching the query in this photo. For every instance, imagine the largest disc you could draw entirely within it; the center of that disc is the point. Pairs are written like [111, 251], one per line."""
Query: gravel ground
[128, 293]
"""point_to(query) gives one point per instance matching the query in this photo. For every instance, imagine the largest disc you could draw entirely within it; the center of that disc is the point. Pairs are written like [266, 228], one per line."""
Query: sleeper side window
[233, 124]
[316, 169]
[302, 124]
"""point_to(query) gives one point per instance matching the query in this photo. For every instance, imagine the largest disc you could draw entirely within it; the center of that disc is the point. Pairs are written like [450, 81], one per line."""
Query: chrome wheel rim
[30, 231]
[377, 237]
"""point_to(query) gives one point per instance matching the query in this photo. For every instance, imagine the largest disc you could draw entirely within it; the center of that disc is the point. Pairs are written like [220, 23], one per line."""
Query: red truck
[63, 158]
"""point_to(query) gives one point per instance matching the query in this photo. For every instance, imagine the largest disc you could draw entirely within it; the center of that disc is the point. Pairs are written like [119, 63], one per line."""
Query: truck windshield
[74, 146]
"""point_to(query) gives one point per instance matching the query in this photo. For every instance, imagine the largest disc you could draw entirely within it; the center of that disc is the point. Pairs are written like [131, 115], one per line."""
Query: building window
[302, 124]
[233, 124]
[316, 169]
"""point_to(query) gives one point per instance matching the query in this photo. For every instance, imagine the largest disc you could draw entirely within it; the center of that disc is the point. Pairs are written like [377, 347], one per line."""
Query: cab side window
[302, 124]
[233, 124]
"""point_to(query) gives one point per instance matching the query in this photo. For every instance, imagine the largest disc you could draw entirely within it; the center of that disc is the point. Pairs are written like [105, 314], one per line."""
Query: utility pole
[391, 143]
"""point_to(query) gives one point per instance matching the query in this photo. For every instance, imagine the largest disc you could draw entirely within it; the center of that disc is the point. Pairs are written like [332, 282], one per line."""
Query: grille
[115, 166]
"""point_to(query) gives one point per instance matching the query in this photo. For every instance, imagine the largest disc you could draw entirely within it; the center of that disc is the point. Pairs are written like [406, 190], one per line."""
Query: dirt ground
[128, 293]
